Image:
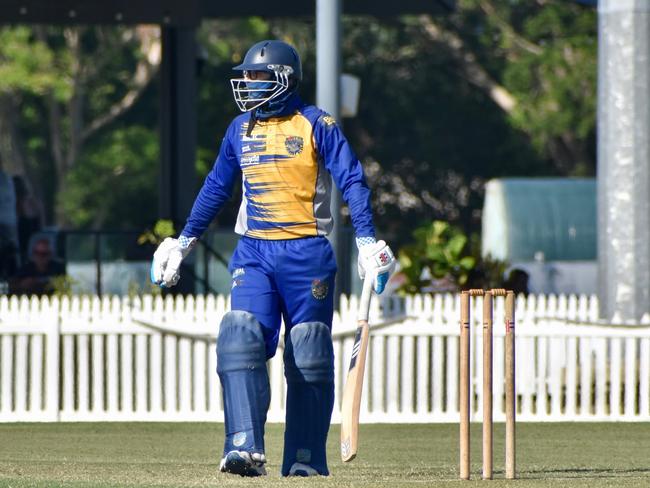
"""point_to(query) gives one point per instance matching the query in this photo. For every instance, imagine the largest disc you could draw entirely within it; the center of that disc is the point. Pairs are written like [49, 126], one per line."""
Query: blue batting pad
[241, 364]
[309, 369]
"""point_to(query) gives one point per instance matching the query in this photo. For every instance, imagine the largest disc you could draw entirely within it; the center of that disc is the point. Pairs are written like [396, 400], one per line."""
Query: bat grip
[364, 303]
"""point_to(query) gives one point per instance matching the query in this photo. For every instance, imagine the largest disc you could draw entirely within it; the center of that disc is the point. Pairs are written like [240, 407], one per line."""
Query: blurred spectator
[28, 215]
[8, 258]
[517, 281]
[35, 277]
[8, 233]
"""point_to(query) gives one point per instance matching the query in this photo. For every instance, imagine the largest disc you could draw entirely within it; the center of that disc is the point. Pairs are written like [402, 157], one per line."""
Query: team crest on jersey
[319, 289]
[294, 145]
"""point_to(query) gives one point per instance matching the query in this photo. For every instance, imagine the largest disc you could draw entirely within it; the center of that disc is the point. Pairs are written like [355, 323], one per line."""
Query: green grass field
[186, 454]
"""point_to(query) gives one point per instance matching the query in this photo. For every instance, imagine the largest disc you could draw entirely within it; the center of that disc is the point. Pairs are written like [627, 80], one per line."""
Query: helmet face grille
[250, 94]
[273, 56]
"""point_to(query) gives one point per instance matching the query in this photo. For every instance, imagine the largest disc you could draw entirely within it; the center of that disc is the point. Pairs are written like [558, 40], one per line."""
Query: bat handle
[364, 303]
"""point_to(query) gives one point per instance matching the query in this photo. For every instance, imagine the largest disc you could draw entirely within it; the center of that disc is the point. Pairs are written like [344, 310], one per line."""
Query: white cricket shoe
[300, 469]
[243, 463]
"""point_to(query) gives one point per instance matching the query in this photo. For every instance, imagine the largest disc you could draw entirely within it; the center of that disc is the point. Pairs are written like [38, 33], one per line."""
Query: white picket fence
[92, 359]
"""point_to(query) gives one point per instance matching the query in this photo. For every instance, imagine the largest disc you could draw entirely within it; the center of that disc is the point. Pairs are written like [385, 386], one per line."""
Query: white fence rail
[88, 359]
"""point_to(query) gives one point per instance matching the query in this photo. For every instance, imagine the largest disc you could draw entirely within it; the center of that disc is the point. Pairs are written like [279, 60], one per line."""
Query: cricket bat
[354, 381]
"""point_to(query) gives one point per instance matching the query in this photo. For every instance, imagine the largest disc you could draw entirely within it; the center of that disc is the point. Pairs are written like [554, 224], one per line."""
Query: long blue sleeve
[217, 188]
[347, 172]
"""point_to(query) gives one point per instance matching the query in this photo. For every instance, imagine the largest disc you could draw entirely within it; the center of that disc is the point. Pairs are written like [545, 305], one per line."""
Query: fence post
[52, 364]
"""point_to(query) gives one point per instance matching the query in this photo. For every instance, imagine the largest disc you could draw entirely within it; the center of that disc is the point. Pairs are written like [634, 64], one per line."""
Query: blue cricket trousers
[291, 278]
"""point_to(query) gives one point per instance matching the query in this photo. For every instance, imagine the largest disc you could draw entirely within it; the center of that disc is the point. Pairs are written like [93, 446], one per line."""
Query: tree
[428, 138]
[27, 69]
[495, 89]
[114, 175]
[537, 61]
[78, 80]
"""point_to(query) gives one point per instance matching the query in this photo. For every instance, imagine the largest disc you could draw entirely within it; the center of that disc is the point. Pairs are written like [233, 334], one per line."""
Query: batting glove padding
[166, 264]
[377, 261]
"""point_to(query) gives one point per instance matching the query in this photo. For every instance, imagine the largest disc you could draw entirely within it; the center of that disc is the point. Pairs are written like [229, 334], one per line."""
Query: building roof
[190, 12]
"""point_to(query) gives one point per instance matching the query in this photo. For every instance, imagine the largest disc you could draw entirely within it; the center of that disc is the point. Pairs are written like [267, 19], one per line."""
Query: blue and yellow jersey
[285, 165]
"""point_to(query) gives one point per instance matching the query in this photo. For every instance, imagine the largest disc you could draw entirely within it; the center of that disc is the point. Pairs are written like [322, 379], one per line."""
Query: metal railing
[113, 262]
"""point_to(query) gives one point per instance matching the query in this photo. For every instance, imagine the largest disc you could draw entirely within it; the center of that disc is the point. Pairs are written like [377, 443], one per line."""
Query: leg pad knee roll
[309, 354]
[240, 344]
[309, 369]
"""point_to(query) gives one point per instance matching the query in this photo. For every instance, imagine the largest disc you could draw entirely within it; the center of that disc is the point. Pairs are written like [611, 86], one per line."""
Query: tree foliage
[28, 65]
[498, 88]
[62, 88]
[495, 89]
[116, 175]
[442, 258]
[440, 252]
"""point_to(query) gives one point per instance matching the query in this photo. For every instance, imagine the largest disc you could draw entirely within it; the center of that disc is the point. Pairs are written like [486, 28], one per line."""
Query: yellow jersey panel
[280, 170]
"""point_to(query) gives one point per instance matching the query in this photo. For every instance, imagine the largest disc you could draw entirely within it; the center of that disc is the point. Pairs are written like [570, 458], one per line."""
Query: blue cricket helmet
[279, 59]
[269, 56]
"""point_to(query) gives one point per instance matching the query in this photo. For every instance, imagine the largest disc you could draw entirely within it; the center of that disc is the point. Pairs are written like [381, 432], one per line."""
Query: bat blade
[352, 394]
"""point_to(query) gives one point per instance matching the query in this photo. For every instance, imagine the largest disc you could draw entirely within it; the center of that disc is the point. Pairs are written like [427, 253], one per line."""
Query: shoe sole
[237, 465]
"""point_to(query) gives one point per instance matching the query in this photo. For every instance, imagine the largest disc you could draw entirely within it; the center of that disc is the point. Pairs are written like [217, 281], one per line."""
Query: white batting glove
[375, 260]
[166, 263]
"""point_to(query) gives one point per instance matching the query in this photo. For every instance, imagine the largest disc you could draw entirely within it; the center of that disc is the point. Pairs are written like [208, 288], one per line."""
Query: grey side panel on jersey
[322, 201]
[242, 217]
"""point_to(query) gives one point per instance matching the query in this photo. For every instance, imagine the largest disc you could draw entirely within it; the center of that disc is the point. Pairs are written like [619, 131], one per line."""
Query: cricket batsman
[284, 152]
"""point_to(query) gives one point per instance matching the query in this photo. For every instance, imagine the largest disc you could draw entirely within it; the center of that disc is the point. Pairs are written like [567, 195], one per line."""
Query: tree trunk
[12, 158]
[57, 151]
[472, 69]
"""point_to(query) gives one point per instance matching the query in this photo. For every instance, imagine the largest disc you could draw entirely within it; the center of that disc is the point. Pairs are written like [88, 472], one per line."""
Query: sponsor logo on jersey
[250, 159]
[237, 279]
[294, 145]
[328, 120]
[319, 289]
